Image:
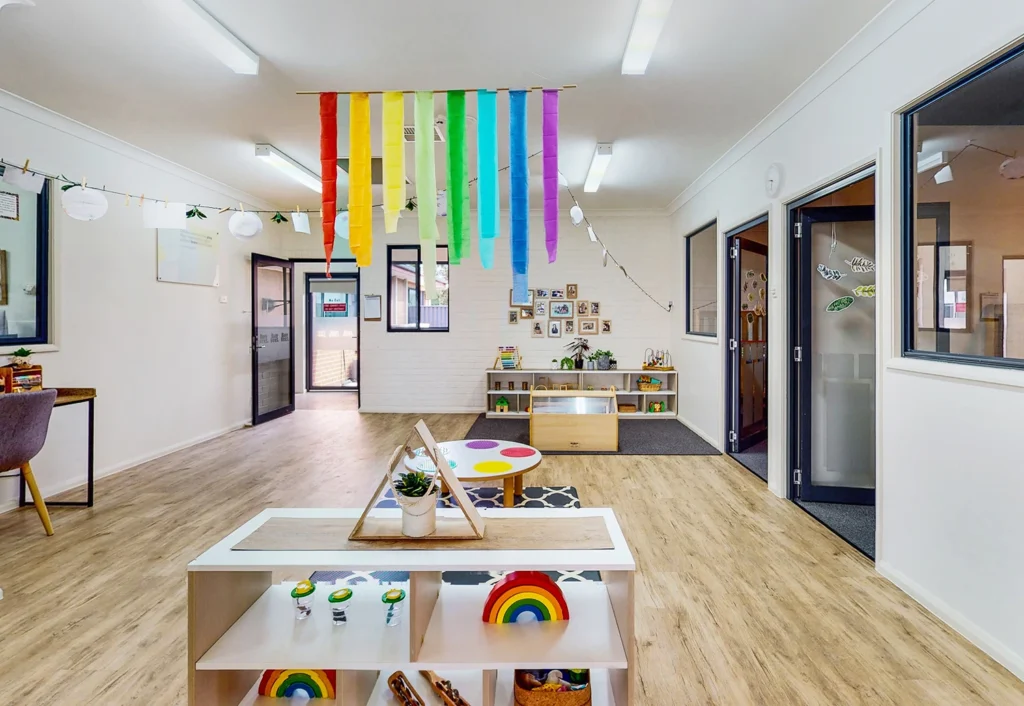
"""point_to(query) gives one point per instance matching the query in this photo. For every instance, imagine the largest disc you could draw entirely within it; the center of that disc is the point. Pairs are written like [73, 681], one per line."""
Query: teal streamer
[488, 218]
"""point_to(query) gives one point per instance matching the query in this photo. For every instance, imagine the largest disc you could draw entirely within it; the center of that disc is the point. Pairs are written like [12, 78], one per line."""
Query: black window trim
[42, 336]
[689, 331]
[419, 277]
[908, 217]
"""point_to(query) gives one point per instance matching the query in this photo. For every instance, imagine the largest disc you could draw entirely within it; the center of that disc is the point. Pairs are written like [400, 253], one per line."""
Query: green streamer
[457, 175]
[426, 188]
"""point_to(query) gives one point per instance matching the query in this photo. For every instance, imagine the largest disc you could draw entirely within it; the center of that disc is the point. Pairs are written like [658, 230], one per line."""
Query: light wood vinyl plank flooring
[741, 597]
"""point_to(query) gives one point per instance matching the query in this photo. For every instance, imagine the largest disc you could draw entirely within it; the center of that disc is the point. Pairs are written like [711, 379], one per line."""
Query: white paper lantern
[341, 225]
[1012, 168]
[576, 214]
[244, 224]
[84, 204]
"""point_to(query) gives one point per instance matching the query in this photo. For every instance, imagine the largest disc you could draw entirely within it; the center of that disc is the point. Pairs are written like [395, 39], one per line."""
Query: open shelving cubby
[625, 382]
[242, 621]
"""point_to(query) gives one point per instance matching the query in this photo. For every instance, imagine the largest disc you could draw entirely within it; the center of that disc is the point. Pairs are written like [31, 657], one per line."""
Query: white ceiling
[122, 67]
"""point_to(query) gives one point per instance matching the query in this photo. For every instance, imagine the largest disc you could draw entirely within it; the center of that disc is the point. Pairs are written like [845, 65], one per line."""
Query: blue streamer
[519, 186]
[487, 174]
[520, 291]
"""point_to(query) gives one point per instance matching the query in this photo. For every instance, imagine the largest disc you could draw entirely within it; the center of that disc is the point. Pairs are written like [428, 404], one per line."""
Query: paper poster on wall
[187, 256]
[29, 181]
[10, 206]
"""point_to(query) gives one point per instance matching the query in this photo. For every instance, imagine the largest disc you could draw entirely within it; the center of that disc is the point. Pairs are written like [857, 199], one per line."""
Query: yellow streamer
[360, 190]
[394, 159]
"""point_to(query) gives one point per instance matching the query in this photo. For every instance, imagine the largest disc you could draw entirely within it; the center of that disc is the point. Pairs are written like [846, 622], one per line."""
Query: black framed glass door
[273, 339]
[834, 354]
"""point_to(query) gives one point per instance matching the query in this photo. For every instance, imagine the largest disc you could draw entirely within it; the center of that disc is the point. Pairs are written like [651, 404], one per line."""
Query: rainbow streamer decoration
[426, 188]
[360, 190]
[286, 683]
[458, 179]
[489, 222]
[551, 173]
[519, 186]
[392, 124]
[329, 170]
[525, 596]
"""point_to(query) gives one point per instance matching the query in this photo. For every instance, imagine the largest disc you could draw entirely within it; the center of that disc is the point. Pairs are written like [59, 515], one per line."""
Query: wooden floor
[742, 597]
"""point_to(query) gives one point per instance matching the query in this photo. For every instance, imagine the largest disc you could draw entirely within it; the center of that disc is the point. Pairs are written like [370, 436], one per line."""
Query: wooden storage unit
[625, 382]
[574, 420]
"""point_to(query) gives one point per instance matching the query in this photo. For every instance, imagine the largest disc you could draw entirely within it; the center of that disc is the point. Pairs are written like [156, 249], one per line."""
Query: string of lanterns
[88, 203]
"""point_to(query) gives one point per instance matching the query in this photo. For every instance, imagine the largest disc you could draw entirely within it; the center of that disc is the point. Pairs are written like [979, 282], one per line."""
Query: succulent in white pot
[21, 358]
[416, 493]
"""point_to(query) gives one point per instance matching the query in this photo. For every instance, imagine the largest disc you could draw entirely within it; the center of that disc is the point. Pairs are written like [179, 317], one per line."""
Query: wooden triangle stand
[469, 526]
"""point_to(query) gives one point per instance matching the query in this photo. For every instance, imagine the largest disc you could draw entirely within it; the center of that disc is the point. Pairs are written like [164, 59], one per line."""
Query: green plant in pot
[567, 364]
[577, 350]
[416, 493]
[21, 358]
[603, 359]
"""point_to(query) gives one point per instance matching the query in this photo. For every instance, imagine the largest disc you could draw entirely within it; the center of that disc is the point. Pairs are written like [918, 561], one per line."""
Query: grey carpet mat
[854, 523]
[637, 437]
[755, 458]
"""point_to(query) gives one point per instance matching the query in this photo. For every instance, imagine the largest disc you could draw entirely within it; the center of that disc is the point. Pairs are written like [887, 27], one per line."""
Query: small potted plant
[604, 359]
[567, 363]
[416, 493]
[21, 358]
[578, 349]
[554, 363]
[591, 361]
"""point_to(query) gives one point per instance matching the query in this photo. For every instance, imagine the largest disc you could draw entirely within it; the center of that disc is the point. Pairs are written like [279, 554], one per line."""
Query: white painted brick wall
[444, 372]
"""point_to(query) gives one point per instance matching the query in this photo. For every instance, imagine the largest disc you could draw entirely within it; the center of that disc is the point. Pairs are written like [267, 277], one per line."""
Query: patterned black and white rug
[537, 496]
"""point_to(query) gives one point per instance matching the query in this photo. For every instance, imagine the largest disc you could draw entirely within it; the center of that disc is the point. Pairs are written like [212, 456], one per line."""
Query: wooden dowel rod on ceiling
[467, 90]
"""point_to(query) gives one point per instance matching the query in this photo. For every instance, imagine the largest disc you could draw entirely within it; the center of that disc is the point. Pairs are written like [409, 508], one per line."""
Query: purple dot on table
[519, 452]
[481, 444]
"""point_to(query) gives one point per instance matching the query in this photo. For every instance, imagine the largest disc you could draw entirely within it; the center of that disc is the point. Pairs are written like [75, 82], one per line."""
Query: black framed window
[702, 281]
[408, 306]
[963, 219]
[24, 265]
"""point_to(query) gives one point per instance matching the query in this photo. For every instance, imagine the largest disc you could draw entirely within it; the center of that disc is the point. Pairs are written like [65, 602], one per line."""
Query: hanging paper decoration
[360, 189]
[861, 265]
[576, 214]
[244, 224]
[393, 124]
[329, 169]
[442, 204]
[550, 128]
[426, 188]
[458, 178]
[160, 214]
[865, 290]
[830, 274]
[24, 179]
[300, 222]
[341, 226]
[519, 203]
[839, 304]
[83, 204]
[487, 174]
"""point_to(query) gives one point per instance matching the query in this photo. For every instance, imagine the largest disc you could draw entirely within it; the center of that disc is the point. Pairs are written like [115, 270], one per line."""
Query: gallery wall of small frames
[553, 313]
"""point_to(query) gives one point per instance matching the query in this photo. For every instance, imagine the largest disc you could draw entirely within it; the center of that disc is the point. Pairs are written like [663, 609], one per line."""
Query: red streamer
[329, 170]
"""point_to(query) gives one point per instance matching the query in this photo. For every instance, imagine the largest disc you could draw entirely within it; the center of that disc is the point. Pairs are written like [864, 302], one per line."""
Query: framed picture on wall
[569, 327]
[3, 278]
[525, 313]
[554, 329]
[606, 326]
[583, 308]
[540, 306]
[543, 293]
[529, 296]
[538, 329]
[991, 306]
[595, 308]
[561, 310]
[570, 291]
[558, 294]
[588, 327]
[513, 316]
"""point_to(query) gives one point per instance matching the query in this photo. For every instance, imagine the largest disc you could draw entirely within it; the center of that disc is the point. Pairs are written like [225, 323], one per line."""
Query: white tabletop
[480, 459]
[221, 557]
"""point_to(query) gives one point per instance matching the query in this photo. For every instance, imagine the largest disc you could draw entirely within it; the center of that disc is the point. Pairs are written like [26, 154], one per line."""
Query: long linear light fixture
[213, 36]
[598, 166]
[273, 156]
[643, 37]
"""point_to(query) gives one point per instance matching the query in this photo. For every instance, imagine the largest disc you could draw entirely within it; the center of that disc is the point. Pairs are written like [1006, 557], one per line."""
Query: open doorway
[833, 387]
[332, 332]
[747, 351]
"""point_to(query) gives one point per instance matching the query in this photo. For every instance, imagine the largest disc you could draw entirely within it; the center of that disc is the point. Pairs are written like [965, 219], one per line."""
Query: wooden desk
[67, 396]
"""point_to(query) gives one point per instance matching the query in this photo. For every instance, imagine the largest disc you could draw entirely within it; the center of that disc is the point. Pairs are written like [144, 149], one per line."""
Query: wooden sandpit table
[240, 622]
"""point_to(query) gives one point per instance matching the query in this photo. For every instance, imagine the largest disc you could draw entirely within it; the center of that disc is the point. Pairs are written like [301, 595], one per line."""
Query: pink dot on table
[518, 452]
[481, 444]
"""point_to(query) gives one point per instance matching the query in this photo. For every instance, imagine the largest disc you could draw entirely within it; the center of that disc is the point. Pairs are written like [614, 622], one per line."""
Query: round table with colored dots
[483, 459]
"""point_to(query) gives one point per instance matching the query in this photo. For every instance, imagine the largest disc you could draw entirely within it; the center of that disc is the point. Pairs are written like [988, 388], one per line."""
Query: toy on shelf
[286, 683]
[552, 687]
[338, 601]
[648, 384]
[393, 598]
[444, 689]
[501, 405]
[404, 691]
[656, 407]
[525, 596]
[303, 595]
[657, 360]
[508, 358]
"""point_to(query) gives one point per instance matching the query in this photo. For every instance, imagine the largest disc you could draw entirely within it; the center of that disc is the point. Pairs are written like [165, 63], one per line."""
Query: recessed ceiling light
[643, 37]
[598, 166]
[272, 155]
[213, 36]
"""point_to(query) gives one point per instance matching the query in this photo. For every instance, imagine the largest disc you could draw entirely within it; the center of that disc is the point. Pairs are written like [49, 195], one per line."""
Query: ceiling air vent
[410, 133]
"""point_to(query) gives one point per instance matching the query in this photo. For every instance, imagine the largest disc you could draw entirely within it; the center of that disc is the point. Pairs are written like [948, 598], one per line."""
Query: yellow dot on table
[492, 467]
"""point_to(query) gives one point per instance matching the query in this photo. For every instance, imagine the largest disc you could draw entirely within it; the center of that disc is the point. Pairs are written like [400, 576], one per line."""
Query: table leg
[92, 450]
[519, 484]
[510, 492]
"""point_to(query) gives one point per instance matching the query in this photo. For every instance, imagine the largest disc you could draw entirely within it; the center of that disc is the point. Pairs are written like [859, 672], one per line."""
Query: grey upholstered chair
[24, 421]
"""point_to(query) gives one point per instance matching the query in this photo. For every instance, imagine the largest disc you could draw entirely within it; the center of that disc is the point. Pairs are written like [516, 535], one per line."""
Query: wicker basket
[649, 386]
[552, 698]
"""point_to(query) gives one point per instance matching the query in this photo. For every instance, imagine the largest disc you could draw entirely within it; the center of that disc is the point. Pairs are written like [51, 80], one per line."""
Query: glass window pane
[410, 310]
[967, 219]
[22, 295]
[702, 276]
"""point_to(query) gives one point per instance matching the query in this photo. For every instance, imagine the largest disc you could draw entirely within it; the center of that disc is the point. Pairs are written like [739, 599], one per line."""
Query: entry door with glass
[834, 355]
[332, 332]
[748, 343]
[273, 341]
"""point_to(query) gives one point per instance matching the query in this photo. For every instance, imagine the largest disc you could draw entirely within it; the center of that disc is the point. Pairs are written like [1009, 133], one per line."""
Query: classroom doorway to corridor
[332, 332]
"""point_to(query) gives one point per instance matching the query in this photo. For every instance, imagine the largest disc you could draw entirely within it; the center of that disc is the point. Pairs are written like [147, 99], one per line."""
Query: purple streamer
[551, 173]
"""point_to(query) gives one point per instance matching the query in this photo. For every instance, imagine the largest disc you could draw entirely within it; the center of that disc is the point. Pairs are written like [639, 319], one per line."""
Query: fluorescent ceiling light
[643, 37]
[213, 36]
[272, 155]
[931, 161]
[598, 166]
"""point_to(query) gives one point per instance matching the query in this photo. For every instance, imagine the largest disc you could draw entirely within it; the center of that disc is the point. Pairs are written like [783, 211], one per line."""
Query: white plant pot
[419, 515]
[554, 365]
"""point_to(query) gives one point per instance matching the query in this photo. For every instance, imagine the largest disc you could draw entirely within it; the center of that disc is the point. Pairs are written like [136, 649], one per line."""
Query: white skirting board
[698, 431]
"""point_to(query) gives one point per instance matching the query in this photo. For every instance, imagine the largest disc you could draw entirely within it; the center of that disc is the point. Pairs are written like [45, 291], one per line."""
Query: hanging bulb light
[341, 225]
[591, 233]
[576, 214]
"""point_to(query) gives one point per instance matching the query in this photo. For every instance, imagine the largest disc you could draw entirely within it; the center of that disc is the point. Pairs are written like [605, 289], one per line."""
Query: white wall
[169, 361]
[949, 504]
[444, 372]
